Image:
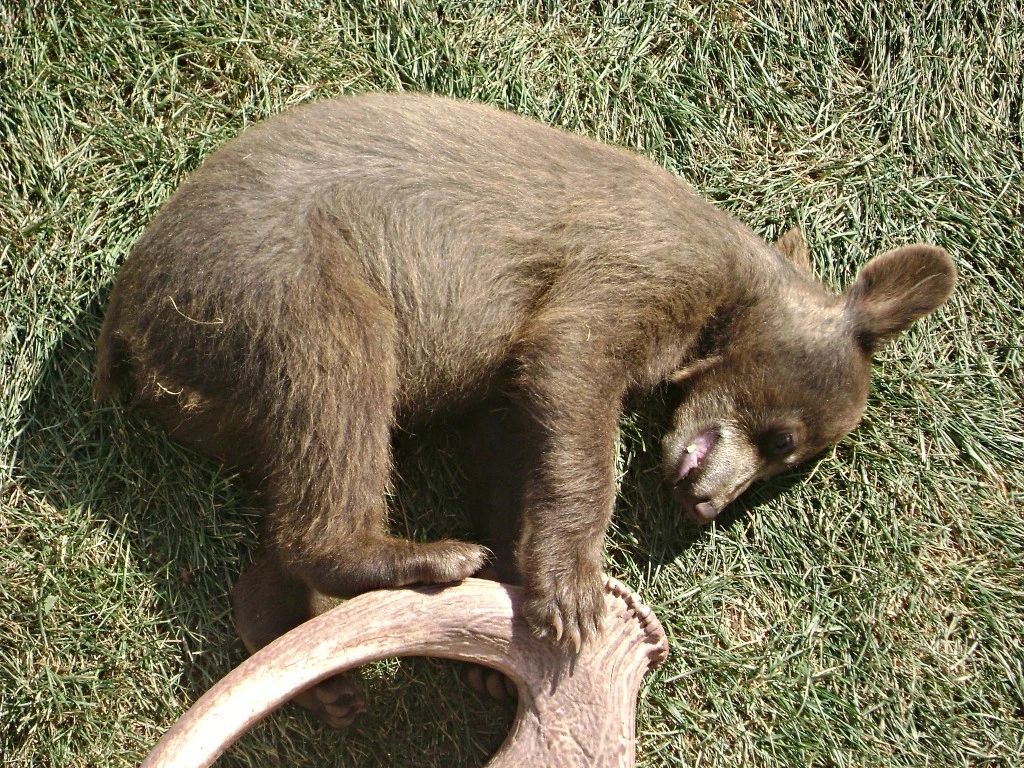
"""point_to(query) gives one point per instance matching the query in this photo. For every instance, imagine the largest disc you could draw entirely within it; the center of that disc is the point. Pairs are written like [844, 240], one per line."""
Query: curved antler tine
[572, 710]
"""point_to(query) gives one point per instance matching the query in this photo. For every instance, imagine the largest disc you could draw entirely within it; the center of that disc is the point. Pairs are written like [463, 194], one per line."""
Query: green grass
[867, 610]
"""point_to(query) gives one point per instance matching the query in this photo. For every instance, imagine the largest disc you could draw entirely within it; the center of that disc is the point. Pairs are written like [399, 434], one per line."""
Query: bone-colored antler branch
[573, 711]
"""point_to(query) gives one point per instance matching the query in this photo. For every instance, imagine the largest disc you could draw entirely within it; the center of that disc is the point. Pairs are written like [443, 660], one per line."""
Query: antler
[573, 710]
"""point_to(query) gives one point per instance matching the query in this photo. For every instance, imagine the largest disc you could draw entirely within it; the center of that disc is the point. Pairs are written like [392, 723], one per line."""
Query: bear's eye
[778, 445]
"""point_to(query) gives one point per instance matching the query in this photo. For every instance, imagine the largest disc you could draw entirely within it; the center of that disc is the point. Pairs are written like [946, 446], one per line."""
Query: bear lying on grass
[371, 261]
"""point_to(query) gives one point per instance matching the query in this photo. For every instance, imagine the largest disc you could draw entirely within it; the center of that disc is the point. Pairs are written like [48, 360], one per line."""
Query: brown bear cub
[366, 262]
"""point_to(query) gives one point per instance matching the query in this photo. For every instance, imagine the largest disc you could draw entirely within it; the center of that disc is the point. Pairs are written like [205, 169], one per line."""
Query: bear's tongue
[694, 453]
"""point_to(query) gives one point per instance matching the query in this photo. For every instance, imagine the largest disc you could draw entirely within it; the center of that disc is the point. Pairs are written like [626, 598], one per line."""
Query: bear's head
[786, 373]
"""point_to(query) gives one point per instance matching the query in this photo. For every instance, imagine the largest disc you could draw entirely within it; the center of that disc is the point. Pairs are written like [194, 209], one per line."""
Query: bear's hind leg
[267, 603]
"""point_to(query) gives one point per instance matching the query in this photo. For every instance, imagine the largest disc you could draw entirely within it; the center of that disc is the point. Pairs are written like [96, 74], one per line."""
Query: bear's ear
[793, 245]
[897, 288]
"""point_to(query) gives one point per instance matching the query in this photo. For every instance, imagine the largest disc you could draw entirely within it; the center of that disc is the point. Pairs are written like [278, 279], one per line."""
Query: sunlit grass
[867, 610]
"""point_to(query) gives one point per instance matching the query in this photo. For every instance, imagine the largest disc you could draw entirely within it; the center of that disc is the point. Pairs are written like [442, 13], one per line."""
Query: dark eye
[778, 445]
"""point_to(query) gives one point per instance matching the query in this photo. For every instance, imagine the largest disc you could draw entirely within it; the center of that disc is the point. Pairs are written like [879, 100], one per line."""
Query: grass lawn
[865, 610]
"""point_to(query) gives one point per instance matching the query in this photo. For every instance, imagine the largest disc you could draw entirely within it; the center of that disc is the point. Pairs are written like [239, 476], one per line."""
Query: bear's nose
[699, 511]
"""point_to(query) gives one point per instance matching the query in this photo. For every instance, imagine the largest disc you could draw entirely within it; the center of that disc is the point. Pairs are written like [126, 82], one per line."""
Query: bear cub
[367, 262]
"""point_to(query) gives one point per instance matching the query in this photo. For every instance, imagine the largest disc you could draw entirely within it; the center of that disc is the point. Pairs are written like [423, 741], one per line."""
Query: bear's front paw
[567, 609]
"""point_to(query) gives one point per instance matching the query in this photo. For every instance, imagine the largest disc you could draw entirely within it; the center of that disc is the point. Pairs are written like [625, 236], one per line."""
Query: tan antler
[573, 711]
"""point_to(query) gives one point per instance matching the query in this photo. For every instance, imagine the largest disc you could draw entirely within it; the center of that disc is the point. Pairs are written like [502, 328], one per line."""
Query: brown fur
[369, 261]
